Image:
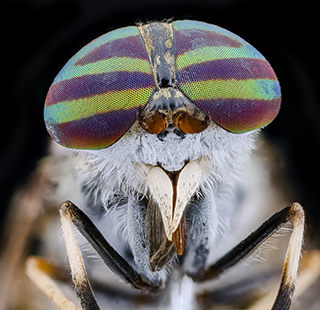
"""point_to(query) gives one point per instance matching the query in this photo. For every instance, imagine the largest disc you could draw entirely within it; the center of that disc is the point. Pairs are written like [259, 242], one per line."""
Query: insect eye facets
[96, 97]
[98, 94]
[225, 77]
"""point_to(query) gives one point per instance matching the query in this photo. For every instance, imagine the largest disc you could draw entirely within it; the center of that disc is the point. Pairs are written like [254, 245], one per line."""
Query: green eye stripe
[73, 110]
[209, 53]
[114, 64]
[251, 89]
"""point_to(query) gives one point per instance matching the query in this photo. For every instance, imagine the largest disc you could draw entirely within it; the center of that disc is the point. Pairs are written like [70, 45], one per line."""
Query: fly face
[170, 97]
[165, 114]
[171, 173]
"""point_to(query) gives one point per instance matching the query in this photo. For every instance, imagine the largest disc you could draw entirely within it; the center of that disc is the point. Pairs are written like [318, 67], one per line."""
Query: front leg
[295, 214]
[72, 215]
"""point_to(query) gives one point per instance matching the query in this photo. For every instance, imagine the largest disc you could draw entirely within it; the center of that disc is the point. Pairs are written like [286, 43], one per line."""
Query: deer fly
[153, 130]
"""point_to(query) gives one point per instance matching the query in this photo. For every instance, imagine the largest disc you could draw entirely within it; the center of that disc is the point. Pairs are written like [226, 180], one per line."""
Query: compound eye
[225, 77]
[96, 97]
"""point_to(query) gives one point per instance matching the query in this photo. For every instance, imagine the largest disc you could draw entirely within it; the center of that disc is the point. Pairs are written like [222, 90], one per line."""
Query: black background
[39, 36]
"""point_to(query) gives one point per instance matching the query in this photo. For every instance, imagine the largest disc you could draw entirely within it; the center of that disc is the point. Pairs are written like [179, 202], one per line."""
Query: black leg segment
[292, 213]
[110, 256]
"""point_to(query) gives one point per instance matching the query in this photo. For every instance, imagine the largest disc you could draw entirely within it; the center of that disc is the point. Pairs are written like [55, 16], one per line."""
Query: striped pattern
[97, 95]
[225, 76]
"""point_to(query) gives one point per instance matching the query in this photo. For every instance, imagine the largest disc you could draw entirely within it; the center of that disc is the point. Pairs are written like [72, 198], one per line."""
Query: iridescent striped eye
[100, 92]
[96, 96]
[225, 77]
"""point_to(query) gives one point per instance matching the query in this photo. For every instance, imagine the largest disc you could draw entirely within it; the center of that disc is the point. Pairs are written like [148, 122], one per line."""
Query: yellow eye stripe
[73, 110]
[250, 89]
[210, 53]
[114, 64]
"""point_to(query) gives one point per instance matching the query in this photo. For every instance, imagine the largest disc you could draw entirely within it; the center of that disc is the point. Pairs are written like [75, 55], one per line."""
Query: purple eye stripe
[90, 85]
[191, 39]
[234, 68]
[238, 114]
[108, 126]
[125, 47]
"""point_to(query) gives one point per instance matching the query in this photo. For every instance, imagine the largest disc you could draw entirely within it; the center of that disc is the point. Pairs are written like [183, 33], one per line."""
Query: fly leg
[78, 270]
[294, 214]
[42, 274]
[73, 216]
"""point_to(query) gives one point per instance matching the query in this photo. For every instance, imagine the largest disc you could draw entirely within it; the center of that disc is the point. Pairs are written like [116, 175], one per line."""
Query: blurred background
[39, 36]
